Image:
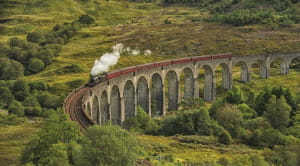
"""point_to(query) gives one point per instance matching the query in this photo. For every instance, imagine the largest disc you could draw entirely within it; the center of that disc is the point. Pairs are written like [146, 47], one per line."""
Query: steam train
[107, 76]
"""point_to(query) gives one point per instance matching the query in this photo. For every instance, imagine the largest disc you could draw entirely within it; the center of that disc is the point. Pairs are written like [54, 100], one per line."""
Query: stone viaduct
[163, 85]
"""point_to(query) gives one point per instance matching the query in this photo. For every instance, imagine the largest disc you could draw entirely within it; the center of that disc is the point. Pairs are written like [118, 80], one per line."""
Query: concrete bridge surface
[160, 86]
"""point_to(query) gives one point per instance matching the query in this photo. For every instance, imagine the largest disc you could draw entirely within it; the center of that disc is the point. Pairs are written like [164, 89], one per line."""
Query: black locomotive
[97, 79]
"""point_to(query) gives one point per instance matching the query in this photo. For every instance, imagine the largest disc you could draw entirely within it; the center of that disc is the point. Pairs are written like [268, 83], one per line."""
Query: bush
[6, 97]
[86, 19]
[248, 113]
[38, 85]
[188, 123]
[21, 90]
[225, 137]
[267, 138]
[32, 106]
[10, 69]
[35, 37]
[109, 145]
[235, 96]
[229, 117]
[141, 123]
[48, 100]
[35, 65]
[16, 108]
[46, 55]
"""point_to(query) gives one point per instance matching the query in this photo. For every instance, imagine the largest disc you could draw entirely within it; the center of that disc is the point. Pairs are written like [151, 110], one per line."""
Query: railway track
[72, 107]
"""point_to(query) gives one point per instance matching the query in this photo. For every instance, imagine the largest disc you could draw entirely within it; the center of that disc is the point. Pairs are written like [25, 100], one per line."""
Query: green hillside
[77, 32]
[169, 32]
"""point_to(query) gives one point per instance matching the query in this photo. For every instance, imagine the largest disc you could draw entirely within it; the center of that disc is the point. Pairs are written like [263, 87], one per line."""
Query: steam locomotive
[107, 76]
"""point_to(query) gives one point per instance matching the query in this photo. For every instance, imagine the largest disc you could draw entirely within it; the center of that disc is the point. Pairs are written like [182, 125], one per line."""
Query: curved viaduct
[161, 87]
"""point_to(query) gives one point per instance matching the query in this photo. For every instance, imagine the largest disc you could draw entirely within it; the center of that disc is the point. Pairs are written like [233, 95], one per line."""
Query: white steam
[109, 59]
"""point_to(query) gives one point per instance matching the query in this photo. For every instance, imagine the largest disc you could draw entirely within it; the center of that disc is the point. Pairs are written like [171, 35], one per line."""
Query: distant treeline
[238, 12]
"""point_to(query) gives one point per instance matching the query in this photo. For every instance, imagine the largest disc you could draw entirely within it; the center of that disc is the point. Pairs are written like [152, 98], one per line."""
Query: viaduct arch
[155, 87]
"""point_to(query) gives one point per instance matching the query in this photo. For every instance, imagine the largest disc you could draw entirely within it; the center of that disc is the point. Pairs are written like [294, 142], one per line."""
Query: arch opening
[143, 94]
[129, 99]
[243, 70]
[104, 108]
[115, 104]
[95, 114]
[171, 90]
[156, 95]
[277, 67]
[294, 64]
[259, 69]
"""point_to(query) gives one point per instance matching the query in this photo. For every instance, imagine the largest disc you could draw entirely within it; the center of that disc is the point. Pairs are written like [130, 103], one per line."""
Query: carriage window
[91, 93]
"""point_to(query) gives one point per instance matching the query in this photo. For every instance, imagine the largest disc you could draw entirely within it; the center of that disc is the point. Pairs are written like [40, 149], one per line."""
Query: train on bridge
[107, 76]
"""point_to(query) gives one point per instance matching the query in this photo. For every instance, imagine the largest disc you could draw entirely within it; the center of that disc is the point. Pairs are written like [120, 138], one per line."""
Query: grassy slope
[139, 26]
[13, 140]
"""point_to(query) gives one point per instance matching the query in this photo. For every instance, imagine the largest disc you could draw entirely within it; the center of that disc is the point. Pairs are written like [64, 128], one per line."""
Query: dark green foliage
[16, 108]
[235, 96]
[11, 119]
[32, 106]
[10, 69]
[38, 85]
[278, 113]
[86, 19]
[230, 118]
[247, 112]
[188, 122]
[76, 83]
[256, 123]
[224, 137]
[191, 103]
[21, 90]
[281, 156]
[73, 68]
[267, 138]
[35, 37]
[49, 100]
[6, 97]
[109, 145]
[53, 144]
[141, 123]
[46, 55]
[217, 105]
[35, 65]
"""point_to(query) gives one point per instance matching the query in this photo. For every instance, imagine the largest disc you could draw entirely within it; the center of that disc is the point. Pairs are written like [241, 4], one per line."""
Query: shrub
[187, 123]
[86, 19]
[35, 37]
[109, 145]
[48, 100]
[225, 137]
[35, 65]
[10, 69]
[141, 123]
[16, 108]
[32, 106]
[38, 85]
[21, 90]
[235, 96]
[6, 97]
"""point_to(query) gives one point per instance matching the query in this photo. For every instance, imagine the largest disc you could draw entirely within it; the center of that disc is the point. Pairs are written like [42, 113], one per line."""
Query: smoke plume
[107, 60]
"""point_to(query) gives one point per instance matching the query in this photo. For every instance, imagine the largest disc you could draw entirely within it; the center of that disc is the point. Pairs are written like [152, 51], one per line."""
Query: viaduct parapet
[159, 87]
